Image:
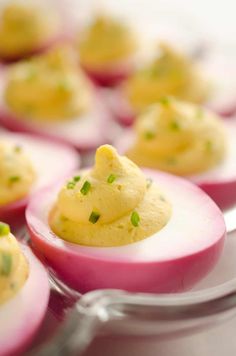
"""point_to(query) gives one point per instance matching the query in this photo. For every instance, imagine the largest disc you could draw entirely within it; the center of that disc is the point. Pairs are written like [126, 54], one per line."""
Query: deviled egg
[51, 97]
[27, 28]
[115, 226]
[187, 140]
[28, 163]
[107, 49]
[171, 73]
[24, 294]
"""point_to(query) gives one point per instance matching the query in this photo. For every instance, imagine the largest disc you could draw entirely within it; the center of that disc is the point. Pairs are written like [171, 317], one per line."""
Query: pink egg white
[172, 260]
[50, 161]
[21, 316]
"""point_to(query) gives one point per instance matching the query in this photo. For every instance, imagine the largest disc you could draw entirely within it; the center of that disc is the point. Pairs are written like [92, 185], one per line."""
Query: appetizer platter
[140, 230]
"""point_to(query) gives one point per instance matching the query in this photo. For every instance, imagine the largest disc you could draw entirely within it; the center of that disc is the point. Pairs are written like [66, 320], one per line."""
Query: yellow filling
[49, 87]
[105, 42]
[16, 173]
[110, 205]
[24, 28]
[14, 268]
[169, 74]
[178, 137]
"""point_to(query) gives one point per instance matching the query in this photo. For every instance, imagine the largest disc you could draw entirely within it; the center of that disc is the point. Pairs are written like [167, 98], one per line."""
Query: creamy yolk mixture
[110, 205]
[105, 42]
[14, 268]
[178, 137]
[16, 173]
[48, 88]
[24, 28]
[170, 74]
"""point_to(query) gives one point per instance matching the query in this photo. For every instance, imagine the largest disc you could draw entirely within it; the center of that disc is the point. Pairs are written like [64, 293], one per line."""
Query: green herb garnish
[171, 160]
[76, 178]
[94, 217]
[165, 100]
[149, 135]
[17, 148]
[149, 182]
[63, 85]
[4, 229]
[85, 188]
[208, 145]
[111, 178]
[135, 219]
[70, 185]
[174, 126]
[6, 264]
[199, 113]
[14, 179]
[31, 75]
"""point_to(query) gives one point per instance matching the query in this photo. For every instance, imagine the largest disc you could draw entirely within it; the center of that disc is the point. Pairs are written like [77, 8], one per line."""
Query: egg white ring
[218, 182]
[220, 71]
[50, 161]
[85, 133]
[21, 316]
[194, 234]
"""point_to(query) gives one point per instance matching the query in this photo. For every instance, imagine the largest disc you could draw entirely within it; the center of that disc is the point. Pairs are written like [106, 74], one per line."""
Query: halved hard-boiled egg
[186, 140]
[28, 163]
[108, 50]
[173, 74]
[115, 226]
[27, 29]
[49, 96]
[24, 294]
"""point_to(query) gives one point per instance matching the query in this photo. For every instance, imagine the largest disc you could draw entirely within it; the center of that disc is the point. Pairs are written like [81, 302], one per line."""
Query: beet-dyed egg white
[131, 97]
[219, 181]
[220, 68]
[108, 50]
[23, 297]
[44, 162]
[125, 234]
[49, 96]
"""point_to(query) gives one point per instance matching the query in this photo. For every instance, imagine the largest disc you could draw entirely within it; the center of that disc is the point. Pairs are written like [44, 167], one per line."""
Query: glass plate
[73, 321]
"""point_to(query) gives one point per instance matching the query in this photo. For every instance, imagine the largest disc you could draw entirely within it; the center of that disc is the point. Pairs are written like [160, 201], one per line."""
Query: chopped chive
[31, 75]
[14, 179]
[70, 185]
[17, 148]
[4, 229]
[161, 198]
[85, 188]
[154, 71]
[135, 219]
[165, 101]
[174, 126]
[13, 285]
[94, 217]
[208, 145]
[199, 113]
[76, 178]
[6, 264]
[171, 160]
[111, 178]
[149, 182]
[149, 135]
[63, 86]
